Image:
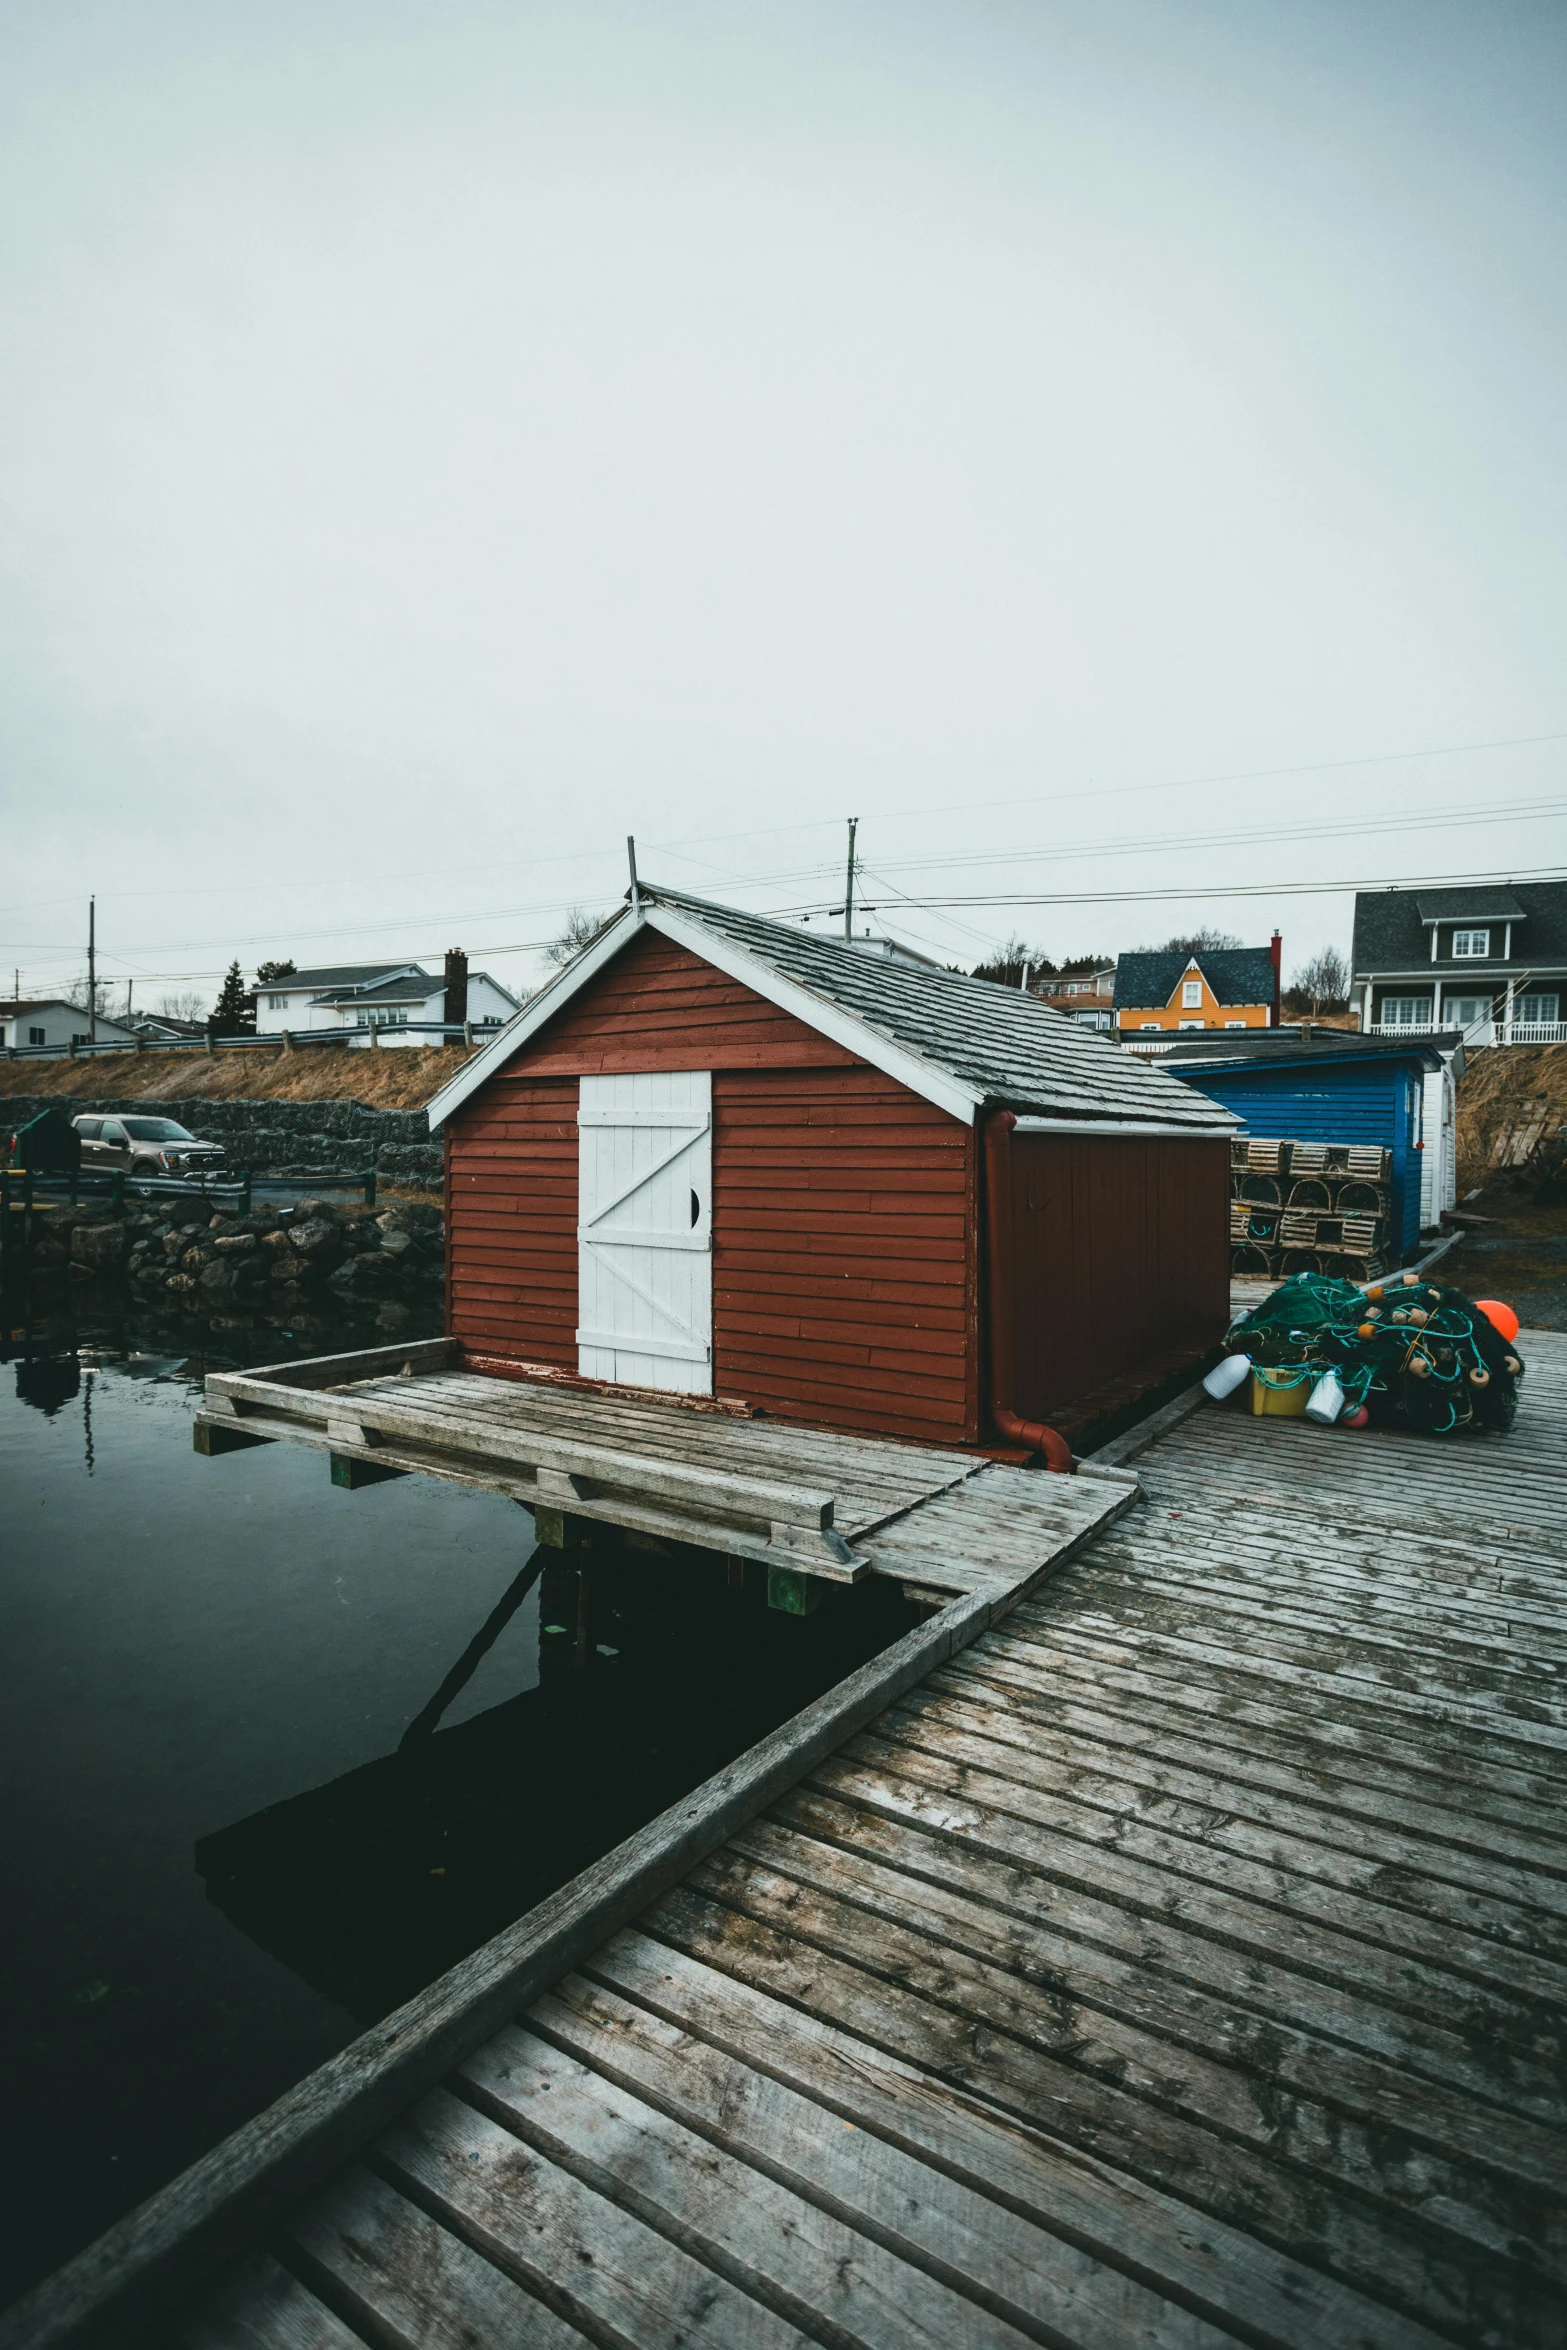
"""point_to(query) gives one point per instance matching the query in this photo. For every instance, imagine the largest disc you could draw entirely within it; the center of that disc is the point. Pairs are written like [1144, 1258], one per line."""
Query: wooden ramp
[1179, 1961]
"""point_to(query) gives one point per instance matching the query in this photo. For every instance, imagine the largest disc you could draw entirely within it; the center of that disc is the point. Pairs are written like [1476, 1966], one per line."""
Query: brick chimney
[1278, 967]
[456, 1011]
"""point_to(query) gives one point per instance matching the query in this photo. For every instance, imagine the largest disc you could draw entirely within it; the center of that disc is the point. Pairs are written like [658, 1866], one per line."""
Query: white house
[385, 1003]
[46, 1021]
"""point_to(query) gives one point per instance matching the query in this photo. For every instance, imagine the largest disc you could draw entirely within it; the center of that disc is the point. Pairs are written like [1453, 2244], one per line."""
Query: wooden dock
[1176, 1956]
[803, 1500]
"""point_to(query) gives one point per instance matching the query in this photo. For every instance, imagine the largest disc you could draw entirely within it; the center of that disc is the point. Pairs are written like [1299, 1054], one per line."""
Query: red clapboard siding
[511, 1219]
[658, 1006]
[843, 1204]
[839, 1297]
[1122, 1256]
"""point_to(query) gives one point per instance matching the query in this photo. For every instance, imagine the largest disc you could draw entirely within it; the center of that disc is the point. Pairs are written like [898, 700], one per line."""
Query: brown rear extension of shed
[1057, 1453]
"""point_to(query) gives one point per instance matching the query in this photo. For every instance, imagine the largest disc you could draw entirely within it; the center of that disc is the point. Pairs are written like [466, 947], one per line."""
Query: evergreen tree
[234, 1013]
[267, 973]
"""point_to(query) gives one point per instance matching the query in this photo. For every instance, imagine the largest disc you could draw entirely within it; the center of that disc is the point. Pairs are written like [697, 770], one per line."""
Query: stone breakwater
[272, 1263]
[279, 1138]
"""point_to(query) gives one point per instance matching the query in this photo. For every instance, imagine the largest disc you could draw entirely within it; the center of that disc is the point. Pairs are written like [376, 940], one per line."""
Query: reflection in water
[652, 1674]
[188, 1642]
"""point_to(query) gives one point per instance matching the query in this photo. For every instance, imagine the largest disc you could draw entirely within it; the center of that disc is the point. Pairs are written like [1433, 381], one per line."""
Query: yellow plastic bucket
[1280, 1403]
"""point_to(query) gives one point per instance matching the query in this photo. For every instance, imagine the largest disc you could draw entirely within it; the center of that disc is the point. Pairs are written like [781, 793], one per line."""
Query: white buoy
[1225, 1377]
[1326, 1401]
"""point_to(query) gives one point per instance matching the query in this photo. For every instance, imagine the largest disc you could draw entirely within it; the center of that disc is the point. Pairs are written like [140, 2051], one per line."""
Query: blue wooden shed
[1327, 1085]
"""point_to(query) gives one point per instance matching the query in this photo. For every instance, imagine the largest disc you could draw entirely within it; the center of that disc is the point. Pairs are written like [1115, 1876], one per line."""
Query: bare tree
[1200, 942]
[1321, 985]
[186, 1006]
[1005, 967]
[580, 928]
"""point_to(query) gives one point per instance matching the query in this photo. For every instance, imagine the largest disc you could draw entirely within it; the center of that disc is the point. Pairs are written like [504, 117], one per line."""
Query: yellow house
[1218, 987]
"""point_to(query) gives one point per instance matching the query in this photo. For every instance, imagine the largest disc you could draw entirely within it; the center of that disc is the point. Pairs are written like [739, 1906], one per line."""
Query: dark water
[274, 1755]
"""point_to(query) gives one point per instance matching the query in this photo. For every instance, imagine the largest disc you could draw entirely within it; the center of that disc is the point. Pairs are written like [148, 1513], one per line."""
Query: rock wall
[273, 1262]
[283, 1138]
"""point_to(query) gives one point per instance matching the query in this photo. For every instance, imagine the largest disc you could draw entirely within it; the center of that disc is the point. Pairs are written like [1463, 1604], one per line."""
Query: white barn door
[645, 1230]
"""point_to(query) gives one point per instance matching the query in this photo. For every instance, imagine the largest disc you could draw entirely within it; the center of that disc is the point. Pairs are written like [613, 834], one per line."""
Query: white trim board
[1122, 1128]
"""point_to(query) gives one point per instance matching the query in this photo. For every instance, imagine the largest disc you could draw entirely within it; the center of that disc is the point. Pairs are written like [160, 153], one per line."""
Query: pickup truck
[136, 1145]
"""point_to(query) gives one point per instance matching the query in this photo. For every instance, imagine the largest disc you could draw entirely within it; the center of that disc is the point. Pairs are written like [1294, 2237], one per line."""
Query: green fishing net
[1416, 1354]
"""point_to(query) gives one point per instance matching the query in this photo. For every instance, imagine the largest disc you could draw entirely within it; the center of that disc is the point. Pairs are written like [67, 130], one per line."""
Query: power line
[1250, 889]
[821, 823]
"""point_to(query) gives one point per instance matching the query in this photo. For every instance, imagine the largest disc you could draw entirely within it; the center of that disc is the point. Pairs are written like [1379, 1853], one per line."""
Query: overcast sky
[438, 440]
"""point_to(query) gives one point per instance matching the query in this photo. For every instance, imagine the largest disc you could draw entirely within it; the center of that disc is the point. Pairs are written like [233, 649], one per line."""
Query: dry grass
[399, 1077]
[1505, 1090]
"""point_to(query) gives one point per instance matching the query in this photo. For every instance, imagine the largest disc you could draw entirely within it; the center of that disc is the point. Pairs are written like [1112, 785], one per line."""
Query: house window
[277, 1003]
[1194, 1023]
[1155, 1025]
[1469, 943]
[1405, 1011]
[36, 1035]
[1235, 1024]
[1536, 1006]
[78, 1036]
[1191, 993]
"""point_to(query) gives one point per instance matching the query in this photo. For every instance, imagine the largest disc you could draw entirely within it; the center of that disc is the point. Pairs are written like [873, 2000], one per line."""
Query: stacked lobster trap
[1309, 1207]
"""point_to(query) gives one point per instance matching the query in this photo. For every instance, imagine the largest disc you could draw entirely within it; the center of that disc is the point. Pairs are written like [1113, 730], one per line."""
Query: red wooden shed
[724, 1156]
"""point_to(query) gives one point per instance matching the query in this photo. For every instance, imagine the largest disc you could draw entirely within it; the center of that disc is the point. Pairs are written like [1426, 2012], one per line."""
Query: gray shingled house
[1490, 962]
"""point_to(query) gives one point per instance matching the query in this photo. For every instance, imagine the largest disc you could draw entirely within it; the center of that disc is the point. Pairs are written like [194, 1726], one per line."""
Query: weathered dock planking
[804, 1499]
[1177, 1957]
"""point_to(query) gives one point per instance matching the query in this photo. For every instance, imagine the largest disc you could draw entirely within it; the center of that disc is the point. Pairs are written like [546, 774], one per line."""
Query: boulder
[99, 1248]
[217, 1278]
[235, 1244]
[315, 1239]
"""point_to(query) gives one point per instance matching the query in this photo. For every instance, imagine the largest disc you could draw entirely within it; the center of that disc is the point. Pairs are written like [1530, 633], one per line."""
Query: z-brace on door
[645, 1230]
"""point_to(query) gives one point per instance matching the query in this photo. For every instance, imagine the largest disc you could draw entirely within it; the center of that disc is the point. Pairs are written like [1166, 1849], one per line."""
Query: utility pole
[848, 895]
[92, 971]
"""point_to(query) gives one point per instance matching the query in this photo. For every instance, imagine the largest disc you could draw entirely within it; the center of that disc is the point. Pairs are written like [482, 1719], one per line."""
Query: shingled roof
[1235, 976]
[966, 1044]
[1391, 933]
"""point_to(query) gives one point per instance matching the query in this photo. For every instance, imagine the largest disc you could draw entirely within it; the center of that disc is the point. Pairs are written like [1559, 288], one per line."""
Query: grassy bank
[398, 1077]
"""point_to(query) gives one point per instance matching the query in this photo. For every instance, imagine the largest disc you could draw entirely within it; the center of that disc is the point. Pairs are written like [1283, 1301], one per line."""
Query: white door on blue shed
[645, 1230]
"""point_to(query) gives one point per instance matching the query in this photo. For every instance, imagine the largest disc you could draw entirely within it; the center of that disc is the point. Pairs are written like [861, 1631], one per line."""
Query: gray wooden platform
[806, 1499]
[1180, 1960]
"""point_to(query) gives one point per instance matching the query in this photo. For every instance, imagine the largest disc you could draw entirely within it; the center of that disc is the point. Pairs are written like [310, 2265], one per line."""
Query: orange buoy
[1501, 1318]
[1374, 1293]
[1355, 1419]
[1366, 1330]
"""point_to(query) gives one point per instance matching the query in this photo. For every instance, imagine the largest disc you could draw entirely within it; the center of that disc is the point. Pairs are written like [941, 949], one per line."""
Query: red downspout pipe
[998, 1251]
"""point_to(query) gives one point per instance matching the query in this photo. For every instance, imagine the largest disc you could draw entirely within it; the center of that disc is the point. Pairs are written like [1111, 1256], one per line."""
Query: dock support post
[558, 1529]
[349, 1473]
[210, 1441]
[792, 1593]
